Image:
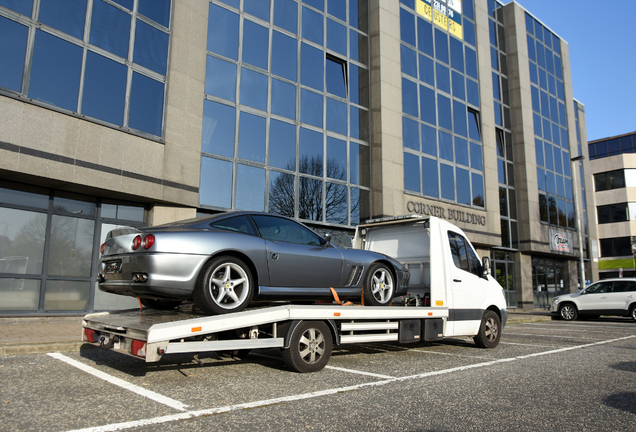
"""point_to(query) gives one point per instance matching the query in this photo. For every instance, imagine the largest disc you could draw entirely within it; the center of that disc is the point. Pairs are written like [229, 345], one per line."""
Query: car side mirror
[328, 238]
[485, 267]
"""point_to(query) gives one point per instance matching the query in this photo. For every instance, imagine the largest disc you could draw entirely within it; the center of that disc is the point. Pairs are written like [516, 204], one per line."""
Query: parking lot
[550, 375]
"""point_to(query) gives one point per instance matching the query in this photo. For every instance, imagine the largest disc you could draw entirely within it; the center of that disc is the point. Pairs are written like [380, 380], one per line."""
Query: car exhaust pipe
[140, 277]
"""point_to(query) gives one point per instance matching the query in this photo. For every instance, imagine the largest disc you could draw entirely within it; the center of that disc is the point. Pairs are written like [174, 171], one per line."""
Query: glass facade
[49, 246]
[441, 125]
[286, 110]
[548, 278]
[552, 145]
[503, 126]
[104, 60]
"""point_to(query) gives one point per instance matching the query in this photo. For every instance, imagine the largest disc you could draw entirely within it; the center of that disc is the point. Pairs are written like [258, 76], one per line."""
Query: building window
[102, 60]
[48, 244]
[609, 180]
[612, 213]
[440, 103]
[616, 247]
[287, 132]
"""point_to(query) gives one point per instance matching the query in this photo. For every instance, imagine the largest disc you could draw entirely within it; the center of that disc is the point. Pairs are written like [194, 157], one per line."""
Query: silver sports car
[224, 262]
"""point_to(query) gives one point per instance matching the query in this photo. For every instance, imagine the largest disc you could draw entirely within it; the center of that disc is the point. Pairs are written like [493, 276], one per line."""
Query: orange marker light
[336, 314]
[196, 329]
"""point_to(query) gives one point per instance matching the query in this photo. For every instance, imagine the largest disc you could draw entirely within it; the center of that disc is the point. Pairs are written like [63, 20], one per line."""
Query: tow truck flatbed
[149, 334]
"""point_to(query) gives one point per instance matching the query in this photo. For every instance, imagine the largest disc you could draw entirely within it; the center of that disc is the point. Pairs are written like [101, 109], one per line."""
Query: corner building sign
[447, 213]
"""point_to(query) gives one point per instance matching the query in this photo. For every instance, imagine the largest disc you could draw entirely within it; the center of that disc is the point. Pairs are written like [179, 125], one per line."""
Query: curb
[43, 348]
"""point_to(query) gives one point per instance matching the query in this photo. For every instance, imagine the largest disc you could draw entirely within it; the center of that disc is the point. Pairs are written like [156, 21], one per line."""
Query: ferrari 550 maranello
[225, 261]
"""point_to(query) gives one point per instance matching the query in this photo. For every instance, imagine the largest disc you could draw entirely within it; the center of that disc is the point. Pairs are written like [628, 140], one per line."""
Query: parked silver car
[224, 262]
[605, 297]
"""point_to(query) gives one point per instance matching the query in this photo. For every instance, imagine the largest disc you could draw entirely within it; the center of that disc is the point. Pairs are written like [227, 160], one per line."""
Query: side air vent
[356, 274]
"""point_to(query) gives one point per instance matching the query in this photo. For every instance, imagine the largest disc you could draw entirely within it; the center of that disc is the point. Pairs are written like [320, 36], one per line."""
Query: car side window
[599, 288]
[623, 286]
[240, 224]
[458, 250]
[280, 229]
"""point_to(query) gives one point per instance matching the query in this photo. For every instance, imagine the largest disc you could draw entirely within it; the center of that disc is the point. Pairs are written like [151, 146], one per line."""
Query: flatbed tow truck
[438, 256]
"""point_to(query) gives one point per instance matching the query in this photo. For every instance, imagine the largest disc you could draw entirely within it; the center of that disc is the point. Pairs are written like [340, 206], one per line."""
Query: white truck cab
[445, 271]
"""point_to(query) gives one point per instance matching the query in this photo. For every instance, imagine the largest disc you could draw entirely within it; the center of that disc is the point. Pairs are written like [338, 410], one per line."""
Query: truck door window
[458, 250]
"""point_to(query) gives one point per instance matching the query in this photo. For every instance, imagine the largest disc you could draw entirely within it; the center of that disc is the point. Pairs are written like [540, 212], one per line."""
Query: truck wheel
[489, 331]
[568, 312]
[309, 348]
[379, 287]
[225, 285]
[160, 304]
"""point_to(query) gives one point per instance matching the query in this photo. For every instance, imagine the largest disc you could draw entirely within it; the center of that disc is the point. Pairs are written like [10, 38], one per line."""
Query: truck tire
[489, 331]
[568, 312]
[379, 286]
[160, 304]
[225, 286]
[309, 347]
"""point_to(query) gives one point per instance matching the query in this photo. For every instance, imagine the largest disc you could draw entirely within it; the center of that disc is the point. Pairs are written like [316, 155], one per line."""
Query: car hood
[567, 296]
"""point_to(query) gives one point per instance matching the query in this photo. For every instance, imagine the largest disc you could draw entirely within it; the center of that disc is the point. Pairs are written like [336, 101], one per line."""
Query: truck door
[467, 288]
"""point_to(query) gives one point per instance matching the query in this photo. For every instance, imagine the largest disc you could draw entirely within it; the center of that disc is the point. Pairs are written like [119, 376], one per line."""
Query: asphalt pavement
[34, 335]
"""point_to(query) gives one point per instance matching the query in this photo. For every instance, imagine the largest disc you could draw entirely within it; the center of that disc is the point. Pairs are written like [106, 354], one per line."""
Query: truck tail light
[102, 248]
[89, 336]
[149, 240]
[138, 348]
[136, 242]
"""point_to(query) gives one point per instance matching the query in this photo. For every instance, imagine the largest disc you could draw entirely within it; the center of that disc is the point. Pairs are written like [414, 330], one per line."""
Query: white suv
[605, 297]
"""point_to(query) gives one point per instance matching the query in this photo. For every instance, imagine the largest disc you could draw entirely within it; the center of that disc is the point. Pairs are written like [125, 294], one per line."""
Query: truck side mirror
[485, 265]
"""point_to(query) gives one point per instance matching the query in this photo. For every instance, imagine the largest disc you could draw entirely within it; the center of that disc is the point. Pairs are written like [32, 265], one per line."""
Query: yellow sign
[425, 9]
[455, 24]
[440, 18]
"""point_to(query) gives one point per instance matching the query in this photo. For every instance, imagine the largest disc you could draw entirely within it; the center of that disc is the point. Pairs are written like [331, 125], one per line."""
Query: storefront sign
[447, 213]
[560, 241]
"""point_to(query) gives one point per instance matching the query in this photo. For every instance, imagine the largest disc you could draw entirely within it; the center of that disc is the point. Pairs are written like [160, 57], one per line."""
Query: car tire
[632, 312]
[568, 312]
[379, 286]
[225, 286]
[160, 304]
[489, 331]
[309, 347]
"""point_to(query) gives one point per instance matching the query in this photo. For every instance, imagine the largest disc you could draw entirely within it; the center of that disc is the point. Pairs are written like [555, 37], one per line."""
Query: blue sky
[602, 39]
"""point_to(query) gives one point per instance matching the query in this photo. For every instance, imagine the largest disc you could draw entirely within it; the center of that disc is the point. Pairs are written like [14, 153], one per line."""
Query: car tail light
[89, 335]
[136, 242]
[138, 348]
[102, 248]
[149, 240]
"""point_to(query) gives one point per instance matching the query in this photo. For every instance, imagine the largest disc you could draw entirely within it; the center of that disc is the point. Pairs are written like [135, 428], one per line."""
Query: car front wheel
[489, 331]
[568, 312]
[224, 286]
[379, 287]
[632, 313]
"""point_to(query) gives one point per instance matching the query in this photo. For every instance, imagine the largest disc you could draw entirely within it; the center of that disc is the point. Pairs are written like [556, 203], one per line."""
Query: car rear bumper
[159, 275]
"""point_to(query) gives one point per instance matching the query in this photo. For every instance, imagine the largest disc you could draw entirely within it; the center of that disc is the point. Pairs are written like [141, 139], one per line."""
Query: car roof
[615, 280]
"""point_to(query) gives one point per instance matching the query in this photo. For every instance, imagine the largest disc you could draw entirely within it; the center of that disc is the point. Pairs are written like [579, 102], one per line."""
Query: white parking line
[121, 383]
[360, 372]
[262, 403]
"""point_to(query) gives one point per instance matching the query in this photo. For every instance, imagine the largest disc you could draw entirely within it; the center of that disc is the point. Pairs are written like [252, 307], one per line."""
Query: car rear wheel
[309, 347]
[160, 304]
[489, 331]
[568, 312]
[379, 287]
[224, 286]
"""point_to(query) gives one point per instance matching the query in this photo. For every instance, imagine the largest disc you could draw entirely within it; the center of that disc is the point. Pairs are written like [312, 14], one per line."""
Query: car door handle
[457, 280]
[274, 256]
